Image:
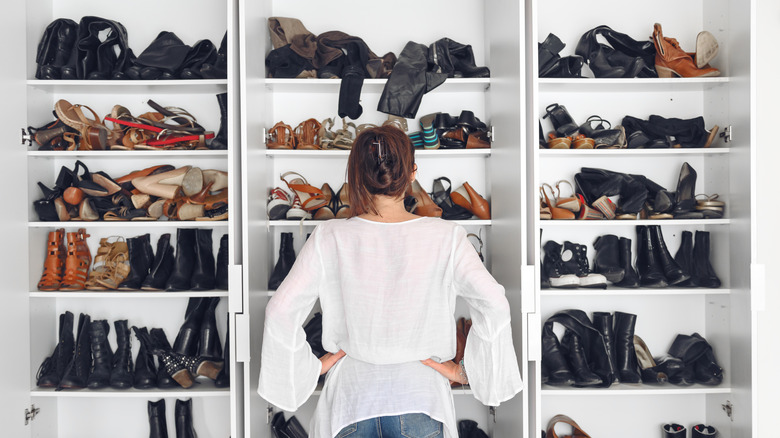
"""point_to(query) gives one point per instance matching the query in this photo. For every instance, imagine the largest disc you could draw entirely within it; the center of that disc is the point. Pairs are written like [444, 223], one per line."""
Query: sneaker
[575, 260]
[554, 268]
[296, 212]
[279, 202]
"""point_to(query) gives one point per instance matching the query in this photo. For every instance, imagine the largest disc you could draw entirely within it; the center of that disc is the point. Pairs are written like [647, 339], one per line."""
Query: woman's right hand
[330, 359]
[448, 369]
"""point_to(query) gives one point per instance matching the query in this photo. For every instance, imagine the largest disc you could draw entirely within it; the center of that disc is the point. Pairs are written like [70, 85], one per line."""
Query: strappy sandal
[577, 431]
[311, 197]
[94, 134]
[557, 213]
[281, 136]
[326, 135]
[442, 198]
[344, 137]
[571, 203]
[709, 206]
[544, 210]
[360, 128]
[307, 134]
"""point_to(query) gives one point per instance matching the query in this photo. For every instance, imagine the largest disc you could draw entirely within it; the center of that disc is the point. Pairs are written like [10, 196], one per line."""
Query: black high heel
[441, 197]
[686, 200]
[562, 122]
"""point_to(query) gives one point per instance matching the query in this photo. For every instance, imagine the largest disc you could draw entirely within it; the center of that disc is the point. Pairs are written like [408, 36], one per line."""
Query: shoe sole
[565, 281]
[706, 48]
[277, 209]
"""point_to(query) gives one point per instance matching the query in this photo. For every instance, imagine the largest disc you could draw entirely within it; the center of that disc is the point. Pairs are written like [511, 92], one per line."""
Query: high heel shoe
[343, 209]
[571, 203]
[468, 198]
[671, 59]
[557, 213]
[164, 185]
[54, 263]
[647, 365]
[326, 212]
[685, 198]
[425, 205]
[77, 261]
[442, 198]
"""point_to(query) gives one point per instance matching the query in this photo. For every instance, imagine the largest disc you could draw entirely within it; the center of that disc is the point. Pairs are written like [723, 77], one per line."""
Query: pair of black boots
[192, 267]
[88, 362]
[158, 425]
[690, 266]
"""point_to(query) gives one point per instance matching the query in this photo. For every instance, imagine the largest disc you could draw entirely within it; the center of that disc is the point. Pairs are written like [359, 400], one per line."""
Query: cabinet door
[14, 323]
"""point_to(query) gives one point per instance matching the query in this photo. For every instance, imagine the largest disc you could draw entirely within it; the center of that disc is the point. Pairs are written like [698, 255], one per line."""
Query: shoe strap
[560, 418]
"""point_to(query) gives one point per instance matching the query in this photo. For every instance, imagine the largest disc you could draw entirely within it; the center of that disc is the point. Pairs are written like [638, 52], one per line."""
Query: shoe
[341, 203]
[145, 374]
[571, 202]
[607, 259]
[158, 339]
[158, 426]
[296, 211]
[686, 200]
[310, 196]
[706, 49]
[284, 263]
[307, 135]
[702, 273]
[574, 350]
[553, 360]
[116, 267]
[706, 368]
[168, 185]
[183, 415]
[555, 270]
[183, 262]
[171, 365]
[425, 205]
[102, 356]
[630, 277]
[77, 261]
[442, 198]
[77, 370]
[555, 212]
[122, 363]
[575, 261]
[647, 365]
[161, 267]
[703, 431]
[54, 264]
[223, 378]
[222, 264]
[578, 432]
[672, 271]
[603, 322]
[674, 430]
[204, 272]
[709, 206]
[429, 136]
[650, 271]
[209, 345]
[468, 198]
[220, 141]
[671, 59]
[141, 256]
[326, 212]
[53, 367]
[561, 120]
[675, 370]
[628, 368]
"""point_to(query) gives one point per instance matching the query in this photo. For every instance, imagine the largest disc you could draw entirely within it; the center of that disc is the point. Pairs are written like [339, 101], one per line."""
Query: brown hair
[381, 163]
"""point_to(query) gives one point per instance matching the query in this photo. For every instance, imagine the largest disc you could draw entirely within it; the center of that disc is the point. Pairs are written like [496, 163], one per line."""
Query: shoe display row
[624, 57]
[163, 128]
[633, 133]
[441, 130]
[616, 353]
[566, 265]
[158, 425]
[160, 192]
[130, 264]
[97, 48]
[604, 194]
[321, 204]
[669, 430]
[88, 361]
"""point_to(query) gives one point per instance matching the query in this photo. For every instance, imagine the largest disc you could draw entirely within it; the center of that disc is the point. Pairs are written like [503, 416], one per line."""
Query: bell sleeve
[288, 369]
[489, 359]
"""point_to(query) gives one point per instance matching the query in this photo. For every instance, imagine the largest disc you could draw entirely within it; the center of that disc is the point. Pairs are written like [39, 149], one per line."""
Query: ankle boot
[158, 426]
[703, 274]
[77, 371]
[284, 263]
[221, 140]
[553, 360]
[684, 258]
[703, 431]
[102, 355]
[628, 368]
[671, 59]
[141, 257]
[603, 323]
[184, 262]
[77, 261]
[674, 430]
[209, 345]
[575, 260]
[54, 264]
[164, 381]
[145, 375]
[184, 427]
[162, 266]
[122, 364]
[222, 264]
[203, 274]
[630, 278]
[554, 267]
[607, 259]
[53, 367]
[575, 353]
[672, 271]
[186, 342]
[223, 378]
[650, 273]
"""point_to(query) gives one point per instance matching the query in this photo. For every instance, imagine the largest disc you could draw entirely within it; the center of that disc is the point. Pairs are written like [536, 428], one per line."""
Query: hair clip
[379, 157]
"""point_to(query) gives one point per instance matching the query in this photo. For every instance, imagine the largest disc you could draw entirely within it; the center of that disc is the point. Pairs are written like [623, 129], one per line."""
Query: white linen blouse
[387, 292]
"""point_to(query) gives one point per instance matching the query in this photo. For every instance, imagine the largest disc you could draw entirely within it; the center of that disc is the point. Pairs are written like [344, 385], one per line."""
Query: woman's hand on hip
[448, 369]
[330, 359]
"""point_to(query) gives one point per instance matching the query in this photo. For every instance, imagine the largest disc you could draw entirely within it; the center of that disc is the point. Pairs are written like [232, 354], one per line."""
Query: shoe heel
[209, 369]
[664, 72]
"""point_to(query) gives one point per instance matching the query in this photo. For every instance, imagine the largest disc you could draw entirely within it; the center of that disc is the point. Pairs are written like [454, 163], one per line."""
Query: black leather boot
[575, 353]
[122, 369]
[53, 367]
[703, 431]
[98, 57]
[558, 372]
[203, 52]
[672, 271]
[102, 356]
[628, 368]
[209, 345]
[158, 426]
[184, 427]
[55, 47]
[222, 264]
[184, 262]
[603, 323]
[203, 274]
[145, 375]
[162, 266]
[706, 368]
[630, 278]
[607, 259]
[141, 259]
[650, 273]
[221, 140]
[284, 263]
[77, 371]
[674, 430]
[164, 381]
[223, 378]
[684, 258]
[217, 70]
[703, 274]
[186, 342]
[162, 59]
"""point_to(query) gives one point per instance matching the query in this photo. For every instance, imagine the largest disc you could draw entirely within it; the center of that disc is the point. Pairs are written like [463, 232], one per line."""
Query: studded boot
[157, 335]
[77, 261]
[122, 364]
[54, 263]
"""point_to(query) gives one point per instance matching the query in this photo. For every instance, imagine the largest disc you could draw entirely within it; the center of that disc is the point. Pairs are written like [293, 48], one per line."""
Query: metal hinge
[27, 137]
[729, 408]
[492, 410]
[29, 414]
[492, 134]
[727, 134]
[265, 136]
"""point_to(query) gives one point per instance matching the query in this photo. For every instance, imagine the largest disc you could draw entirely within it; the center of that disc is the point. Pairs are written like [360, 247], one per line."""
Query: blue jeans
[397, 426]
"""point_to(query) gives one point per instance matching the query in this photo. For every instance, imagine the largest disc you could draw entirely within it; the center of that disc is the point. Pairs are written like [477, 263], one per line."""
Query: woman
[387, 281]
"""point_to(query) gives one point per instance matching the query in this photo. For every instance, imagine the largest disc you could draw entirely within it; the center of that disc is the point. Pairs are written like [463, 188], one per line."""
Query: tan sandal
[311, 197]
[571, 203]
[94, 134]
[326, 135]
[344, 137]
[281, 136]
[557, 213]
[307, 134]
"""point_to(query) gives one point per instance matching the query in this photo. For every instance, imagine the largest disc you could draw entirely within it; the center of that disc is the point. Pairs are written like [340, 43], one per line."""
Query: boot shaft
[222, 264]
[77, 371]
[101, 349]
[672, 271]
[647, 266]
[625, 353]
[140, 255]
[183, 413]
[158, 426]
[162, 266]
[204, 271]
[210, 346]
[703, 274]
[607, 258]
[184, 260]
[630, 277]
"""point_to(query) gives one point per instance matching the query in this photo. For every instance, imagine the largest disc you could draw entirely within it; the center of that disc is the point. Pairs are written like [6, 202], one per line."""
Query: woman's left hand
[330, 359]
[448, 369]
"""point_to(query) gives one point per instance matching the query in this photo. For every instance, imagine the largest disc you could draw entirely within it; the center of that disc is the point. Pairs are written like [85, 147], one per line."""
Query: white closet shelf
[130, 224]
[456, 390]
[130, 86]
[638, 292]
[629, 84]
[629, 223]
[128, 294]
[313, 223]
[203, 389]
[369, 85]
[125, 154]
[631, 390]
[578, 153]
[294, 153]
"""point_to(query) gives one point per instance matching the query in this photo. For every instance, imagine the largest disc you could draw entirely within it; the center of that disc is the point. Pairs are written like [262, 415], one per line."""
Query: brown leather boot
[77, 262]
[468, 198]
[54, 263]
[671, 59]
